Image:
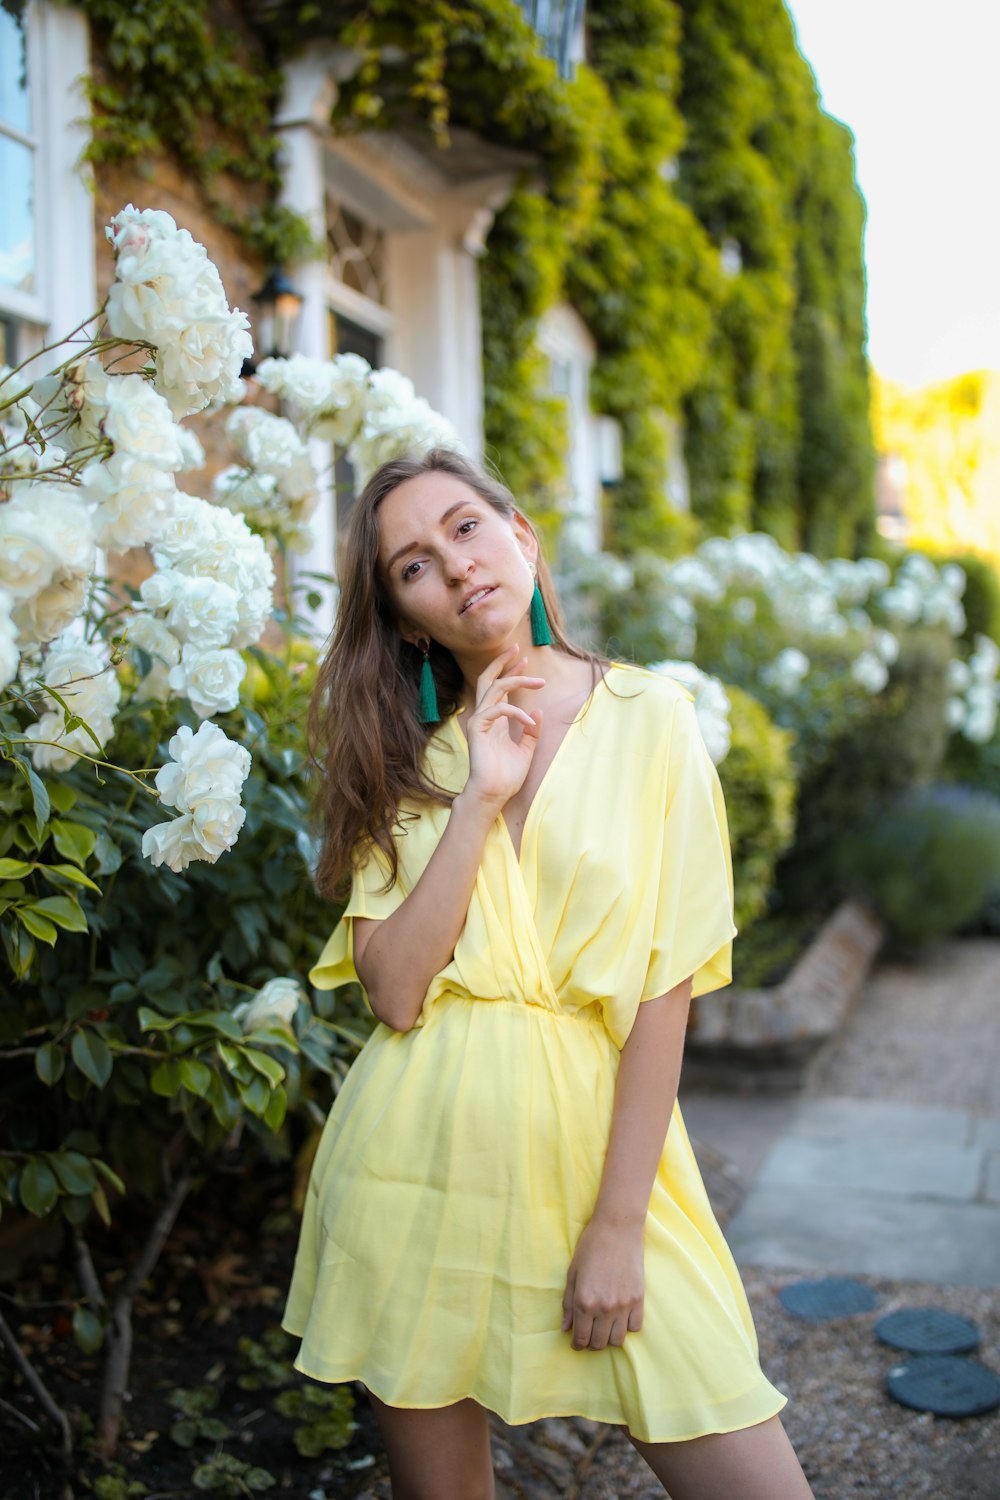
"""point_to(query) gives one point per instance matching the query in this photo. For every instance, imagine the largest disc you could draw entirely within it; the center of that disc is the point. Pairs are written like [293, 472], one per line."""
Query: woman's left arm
[604, 1288]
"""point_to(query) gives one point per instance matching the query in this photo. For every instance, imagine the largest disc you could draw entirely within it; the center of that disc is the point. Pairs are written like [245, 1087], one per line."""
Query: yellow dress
[461, 1159]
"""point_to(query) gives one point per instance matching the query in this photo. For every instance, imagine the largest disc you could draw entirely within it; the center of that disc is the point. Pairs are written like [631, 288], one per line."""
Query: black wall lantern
[278, 305]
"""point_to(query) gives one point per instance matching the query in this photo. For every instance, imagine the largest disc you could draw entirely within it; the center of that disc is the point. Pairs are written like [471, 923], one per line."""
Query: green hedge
[758, 779]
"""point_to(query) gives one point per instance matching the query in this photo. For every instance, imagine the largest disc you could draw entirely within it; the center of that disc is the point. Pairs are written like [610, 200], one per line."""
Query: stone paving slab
[986, 1132]
[924, 1170]
[991, 1187]
[838, 1230]
[833, 1117]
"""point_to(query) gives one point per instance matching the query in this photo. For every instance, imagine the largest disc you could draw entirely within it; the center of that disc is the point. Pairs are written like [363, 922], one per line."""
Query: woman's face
[456, 569]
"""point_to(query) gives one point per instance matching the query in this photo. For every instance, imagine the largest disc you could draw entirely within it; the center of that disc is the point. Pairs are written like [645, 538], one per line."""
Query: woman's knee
[439, 1454]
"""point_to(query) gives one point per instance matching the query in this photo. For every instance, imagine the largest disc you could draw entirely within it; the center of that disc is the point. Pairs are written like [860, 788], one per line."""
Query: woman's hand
[604, 1286]
[498, 764]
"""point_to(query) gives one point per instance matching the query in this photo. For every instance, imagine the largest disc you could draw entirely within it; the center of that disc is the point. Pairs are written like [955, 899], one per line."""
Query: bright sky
[916, 81]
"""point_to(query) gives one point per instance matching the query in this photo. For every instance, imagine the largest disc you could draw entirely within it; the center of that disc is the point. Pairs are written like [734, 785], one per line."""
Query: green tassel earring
[429, 713]
[541, 635]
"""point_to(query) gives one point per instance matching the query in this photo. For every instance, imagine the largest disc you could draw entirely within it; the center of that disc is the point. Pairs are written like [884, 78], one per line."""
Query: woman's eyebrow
[412, 546]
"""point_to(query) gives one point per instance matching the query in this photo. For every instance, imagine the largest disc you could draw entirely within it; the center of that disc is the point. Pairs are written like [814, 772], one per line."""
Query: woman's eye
[409, 571]
[465, 527]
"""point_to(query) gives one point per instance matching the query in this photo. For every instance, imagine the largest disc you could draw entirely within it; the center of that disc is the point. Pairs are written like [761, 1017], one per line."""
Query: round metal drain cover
[945, 1385]
[928, 1330]
[831, 1297]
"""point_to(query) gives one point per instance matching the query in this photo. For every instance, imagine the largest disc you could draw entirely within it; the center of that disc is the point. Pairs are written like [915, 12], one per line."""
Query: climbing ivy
[684, 191]
[186, 78]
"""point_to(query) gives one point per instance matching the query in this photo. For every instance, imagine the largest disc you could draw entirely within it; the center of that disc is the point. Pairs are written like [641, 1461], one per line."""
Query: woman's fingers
[489, 716]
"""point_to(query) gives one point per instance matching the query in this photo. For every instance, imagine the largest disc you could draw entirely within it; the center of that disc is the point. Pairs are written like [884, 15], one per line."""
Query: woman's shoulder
[649, 690]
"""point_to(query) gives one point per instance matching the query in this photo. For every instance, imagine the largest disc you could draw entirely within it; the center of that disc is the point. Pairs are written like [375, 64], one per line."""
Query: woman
[498, 1218]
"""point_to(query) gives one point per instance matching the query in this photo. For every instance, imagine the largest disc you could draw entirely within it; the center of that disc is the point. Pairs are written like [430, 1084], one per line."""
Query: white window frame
[58, 57]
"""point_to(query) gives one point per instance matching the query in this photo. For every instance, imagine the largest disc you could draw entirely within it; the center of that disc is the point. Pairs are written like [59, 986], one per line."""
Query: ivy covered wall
[691, 200]
[778, 432]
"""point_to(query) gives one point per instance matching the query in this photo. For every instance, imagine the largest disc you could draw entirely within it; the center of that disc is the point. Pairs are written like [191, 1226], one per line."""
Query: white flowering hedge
[814, 641]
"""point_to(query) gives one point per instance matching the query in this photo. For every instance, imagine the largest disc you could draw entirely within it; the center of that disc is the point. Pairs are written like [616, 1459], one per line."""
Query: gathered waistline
[590, 1012]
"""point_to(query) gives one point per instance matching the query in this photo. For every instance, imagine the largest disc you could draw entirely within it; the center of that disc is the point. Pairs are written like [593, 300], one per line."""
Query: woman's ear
[526, 539]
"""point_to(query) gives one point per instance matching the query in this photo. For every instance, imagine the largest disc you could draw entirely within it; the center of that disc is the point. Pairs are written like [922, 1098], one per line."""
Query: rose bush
[156, 1019]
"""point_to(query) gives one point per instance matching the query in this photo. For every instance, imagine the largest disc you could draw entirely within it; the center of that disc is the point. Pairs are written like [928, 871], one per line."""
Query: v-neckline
[557, 753]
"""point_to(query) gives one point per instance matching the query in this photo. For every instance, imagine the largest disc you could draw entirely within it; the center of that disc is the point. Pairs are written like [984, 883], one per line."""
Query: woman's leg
[439, 1454]
[756, 1463]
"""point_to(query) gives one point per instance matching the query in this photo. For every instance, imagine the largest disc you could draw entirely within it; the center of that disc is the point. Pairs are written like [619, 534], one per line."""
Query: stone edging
[765, 1038]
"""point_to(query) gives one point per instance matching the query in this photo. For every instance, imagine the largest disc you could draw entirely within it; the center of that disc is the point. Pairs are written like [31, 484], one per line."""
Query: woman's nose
[458, 565]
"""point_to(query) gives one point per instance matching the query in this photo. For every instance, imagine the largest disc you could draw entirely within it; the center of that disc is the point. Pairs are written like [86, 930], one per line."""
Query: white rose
[274, 1004]
[887, 646]
[43, 530]
[132, 499]
[327, 396]
[985, 659]
[174, 843]
[53, 609]
[217, 823]
[159, 590]
[167, 293]
[155, 686]
[870, 671]
[787, 672]
[90, 688]
[209, 679]
[193, 454]
[153, 637]
[954, 713]
[204, 764]
[203, 611]
[9, 655]
[138, 421]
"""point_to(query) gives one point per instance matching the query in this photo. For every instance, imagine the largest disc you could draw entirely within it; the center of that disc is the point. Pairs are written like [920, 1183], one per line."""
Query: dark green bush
[929, 862]
[759, 782]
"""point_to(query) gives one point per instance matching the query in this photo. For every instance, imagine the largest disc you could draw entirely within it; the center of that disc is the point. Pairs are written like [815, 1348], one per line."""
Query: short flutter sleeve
[369, 898]
[693, 926]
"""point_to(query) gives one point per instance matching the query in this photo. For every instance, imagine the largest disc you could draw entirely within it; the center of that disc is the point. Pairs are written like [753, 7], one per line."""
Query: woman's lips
[478, 597]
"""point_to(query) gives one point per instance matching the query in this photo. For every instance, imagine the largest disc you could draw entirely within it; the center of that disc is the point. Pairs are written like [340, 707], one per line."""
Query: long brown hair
[364, 732]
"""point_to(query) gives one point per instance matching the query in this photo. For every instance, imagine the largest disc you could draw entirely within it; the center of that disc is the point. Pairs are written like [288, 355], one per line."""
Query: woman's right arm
[396, 958]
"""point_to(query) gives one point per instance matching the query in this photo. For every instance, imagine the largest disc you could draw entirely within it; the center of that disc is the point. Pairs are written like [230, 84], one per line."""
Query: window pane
[14, 106]
[17, 232]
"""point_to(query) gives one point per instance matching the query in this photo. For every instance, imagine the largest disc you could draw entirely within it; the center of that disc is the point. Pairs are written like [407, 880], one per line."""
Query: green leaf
[109, 1175]
[74, 1209]
[88, 1330]
[269, 1066]
[73, 840]
[107, 854]
[165, 1079]
[40, 803]
[50, 1063]
[92, 1056]
[224, 1101]
[62, 910]
[274, 1114]
[15, 869]
[196, 1076]
[256, 1095]
[39, 927]
[68, 872]
[61, 796]
[39, 1188]
[75, 1172]
[99, 1198]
